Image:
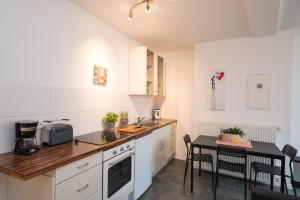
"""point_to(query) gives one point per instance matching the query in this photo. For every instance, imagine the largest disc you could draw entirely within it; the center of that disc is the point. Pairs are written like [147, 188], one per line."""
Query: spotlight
[130, 16]
[148, 9]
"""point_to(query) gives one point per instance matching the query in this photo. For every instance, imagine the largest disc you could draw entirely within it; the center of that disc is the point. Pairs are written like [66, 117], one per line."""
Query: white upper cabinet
[146, 72]
[161, 76]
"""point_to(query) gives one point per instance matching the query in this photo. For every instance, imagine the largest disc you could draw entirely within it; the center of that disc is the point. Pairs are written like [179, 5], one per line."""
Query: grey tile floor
[168, 185]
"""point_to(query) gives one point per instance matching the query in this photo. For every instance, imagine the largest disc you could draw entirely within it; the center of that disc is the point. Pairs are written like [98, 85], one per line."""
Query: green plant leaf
[110, 117]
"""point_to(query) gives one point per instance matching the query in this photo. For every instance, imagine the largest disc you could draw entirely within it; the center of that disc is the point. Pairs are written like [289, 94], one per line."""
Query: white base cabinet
[80, 180]
[81, 186]
[41, 188]
[143, 162]
[163, 147]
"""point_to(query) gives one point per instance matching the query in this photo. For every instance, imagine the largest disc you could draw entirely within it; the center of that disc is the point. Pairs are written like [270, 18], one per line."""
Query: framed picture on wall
[259, 92]
[100, 75]
[217, 91]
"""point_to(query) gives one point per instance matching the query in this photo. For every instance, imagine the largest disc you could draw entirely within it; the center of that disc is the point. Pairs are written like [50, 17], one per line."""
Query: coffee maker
[26, 142]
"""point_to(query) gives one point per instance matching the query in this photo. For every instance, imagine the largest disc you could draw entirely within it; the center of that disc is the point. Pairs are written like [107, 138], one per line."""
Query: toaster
[53, 134]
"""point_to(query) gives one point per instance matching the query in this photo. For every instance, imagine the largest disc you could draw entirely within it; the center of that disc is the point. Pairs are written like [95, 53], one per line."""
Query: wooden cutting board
[132, 129]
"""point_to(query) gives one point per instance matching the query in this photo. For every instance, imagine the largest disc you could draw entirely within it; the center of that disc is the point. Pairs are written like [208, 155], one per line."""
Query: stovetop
[101, 137]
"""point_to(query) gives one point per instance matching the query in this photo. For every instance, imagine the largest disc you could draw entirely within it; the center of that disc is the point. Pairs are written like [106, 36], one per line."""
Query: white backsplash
[85, 108]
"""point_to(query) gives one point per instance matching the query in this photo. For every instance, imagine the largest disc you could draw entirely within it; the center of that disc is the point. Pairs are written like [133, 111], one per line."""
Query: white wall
[189, 74]
[295, 125]
[178, 101]
[239, 58]
[47, 53]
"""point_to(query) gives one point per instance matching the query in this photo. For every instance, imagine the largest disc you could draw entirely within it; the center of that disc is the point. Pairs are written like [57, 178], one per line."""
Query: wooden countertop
[50, 158]
[46, 159]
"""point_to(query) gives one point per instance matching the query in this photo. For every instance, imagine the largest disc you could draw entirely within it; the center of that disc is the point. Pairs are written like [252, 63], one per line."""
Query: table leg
[192, 166]
[282, 174]
[272, 176]
[200, 166]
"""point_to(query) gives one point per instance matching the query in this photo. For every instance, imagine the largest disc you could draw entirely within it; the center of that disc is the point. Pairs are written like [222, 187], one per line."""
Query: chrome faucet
[139, 121]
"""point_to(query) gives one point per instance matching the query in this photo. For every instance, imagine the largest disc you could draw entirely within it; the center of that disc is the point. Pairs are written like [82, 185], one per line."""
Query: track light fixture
[148, 8]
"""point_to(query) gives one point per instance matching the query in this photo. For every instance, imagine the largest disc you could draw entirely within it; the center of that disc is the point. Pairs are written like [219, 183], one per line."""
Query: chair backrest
[232, 159]
[187, 142]
[289, 151]
[232, 152]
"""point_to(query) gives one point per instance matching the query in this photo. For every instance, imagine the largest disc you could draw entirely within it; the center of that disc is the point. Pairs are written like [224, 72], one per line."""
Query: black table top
[263, 149]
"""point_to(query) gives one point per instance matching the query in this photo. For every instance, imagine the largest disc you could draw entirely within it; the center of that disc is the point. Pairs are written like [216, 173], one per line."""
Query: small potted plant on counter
[109, 121]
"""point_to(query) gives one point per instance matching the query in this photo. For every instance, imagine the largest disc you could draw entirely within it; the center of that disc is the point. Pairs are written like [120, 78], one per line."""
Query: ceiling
[176, 25]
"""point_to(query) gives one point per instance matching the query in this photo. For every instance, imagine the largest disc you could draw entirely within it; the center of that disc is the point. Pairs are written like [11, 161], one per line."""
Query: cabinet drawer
[81, 186]
[77, 167]
[96, 196]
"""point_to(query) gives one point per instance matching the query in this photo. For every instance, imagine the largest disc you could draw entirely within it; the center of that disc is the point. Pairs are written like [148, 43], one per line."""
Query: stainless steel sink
[150, 123]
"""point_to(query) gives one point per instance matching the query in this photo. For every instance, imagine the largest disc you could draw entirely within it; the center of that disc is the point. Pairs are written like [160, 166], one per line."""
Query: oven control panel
[128, 146]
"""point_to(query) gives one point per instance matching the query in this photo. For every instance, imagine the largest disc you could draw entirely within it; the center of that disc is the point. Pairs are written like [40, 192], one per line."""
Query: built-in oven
[118, 172]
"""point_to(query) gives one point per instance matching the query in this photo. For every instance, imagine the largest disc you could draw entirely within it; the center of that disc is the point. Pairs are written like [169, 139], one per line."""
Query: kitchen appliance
[118, 172]
[54, 134]
[118, 165]
[26, 143]
[156, 113]
[101, 137]
[143, 165]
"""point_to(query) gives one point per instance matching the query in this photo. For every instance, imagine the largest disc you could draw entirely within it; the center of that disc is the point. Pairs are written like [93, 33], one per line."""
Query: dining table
[260, 149]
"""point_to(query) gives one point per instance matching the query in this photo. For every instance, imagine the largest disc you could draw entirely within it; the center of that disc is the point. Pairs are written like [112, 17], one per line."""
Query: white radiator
[254, 133]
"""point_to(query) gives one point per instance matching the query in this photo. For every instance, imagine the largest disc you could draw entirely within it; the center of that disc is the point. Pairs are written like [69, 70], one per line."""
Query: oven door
[118, 177]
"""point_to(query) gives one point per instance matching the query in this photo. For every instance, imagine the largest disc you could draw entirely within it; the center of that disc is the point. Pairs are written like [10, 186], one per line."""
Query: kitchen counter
[46, 159]
[50, 158]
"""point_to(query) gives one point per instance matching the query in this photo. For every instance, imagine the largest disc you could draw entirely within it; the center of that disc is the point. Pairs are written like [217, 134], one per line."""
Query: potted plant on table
[109, 121]
[232, 135]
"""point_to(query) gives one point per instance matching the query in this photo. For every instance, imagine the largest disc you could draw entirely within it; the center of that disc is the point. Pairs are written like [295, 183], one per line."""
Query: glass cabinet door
[150, 72]
[160, 76]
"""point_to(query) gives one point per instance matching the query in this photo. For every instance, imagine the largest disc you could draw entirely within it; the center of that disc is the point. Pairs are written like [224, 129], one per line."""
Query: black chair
[197, 157]
[258, 167]
[239, 166]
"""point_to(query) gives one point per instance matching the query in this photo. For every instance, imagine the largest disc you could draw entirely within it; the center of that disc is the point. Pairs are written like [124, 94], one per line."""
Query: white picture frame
[217, 90]
[259, 92]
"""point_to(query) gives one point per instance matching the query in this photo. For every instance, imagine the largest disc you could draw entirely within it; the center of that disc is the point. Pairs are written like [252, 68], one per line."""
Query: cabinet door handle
[83, 188]
[82, 166]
